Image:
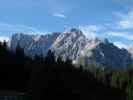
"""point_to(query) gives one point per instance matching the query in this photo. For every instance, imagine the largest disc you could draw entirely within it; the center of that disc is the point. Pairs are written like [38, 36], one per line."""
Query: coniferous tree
[48, 78]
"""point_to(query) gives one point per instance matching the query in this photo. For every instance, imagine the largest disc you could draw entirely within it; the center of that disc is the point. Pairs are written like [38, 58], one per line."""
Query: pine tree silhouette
[49, 78]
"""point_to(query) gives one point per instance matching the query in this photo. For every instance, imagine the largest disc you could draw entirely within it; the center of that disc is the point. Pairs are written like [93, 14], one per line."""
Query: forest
[47, 78]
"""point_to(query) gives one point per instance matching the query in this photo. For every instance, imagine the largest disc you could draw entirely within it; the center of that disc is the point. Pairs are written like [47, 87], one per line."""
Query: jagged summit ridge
[73, 44]
[33, 44]
[75, 31]
[69, 44]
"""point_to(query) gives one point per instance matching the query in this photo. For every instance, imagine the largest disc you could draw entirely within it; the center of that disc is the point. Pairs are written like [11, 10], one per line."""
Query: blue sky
[103, 18]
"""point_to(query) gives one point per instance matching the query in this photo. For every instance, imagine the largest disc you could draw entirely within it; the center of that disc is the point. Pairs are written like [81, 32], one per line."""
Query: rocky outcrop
[73, 44]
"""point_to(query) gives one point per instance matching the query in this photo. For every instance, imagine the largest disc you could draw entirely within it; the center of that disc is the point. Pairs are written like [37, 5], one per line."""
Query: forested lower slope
[48, 79]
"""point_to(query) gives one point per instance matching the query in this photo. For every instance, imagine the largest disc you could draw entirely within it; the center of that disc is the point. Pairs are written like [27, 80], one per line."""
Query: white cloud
[2, 38]
[120, 45]
[89, 30]
[126, 20]
[125, 35]
[59, 15]
[126, 24]
[6, 28]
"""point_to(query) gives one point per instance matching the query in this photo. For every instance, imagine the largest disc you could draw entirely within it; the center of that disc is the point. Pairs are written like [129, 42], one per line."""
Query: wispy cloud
[122, 27]
[61, 6]
[6, 28]
[89, 30]
[120, 45]
[125, 35]
[126, 20]
[4, 38]
[60, 15]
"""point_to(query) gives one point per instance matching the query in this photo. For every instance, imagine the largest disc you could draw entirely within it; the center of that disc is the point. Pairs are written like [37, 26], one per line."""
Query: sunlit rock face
[69, 44]
[130, 49]
[73, 44]
[33, 44]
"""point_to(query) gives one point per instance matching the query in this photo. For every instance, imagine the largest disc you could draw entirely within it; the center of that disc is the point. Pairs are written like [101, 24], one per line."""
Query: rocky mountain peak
[73, 44]
[73, 31]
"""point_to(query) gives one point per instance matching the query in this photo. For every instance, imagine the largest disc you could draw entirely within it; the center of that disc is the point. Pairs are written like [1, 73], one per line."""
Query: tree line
[46, 78]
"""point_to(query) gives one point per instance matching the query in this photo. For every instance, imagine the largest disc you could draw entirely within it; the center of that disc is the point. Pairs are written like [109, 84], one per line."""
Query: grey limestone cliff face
[107, 54]
[130, 50]
[33, 44]
[73, 44]
[69, 44]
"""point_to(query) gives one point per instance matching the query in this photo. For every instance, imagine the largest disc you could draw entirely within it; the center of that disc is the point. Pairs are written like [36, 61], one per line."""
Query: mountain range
[73, 44]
